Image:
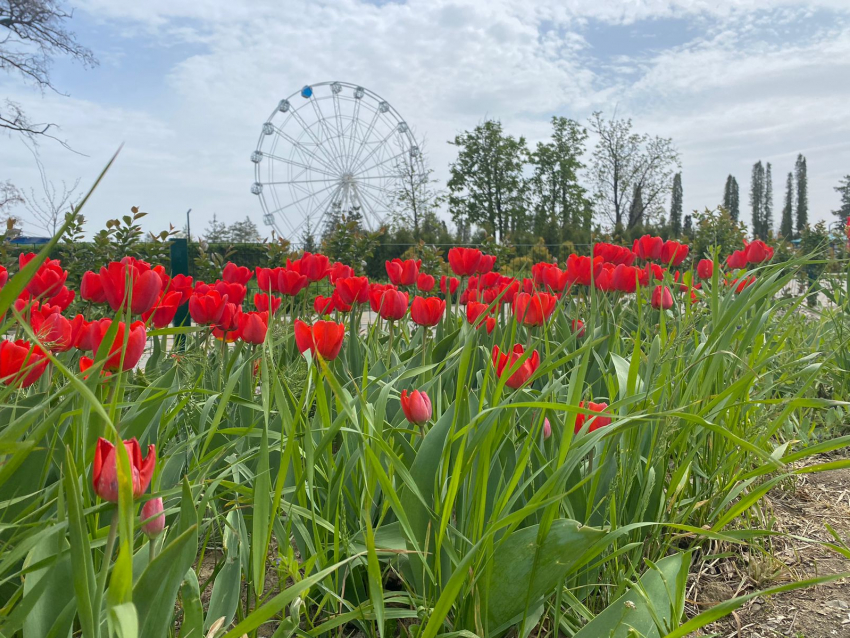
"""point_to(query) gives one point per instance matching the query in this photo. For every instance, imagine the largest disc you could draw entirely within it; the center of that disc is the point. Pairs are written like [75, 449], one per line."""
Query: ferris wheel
[332, 148]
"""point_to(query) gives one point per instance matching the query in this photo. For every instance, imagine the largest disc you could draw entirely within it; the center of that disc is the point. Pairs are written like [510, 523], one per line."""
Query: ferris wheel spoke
[380, 189]
[298, 201]
[319, 146]
[373, 166]
[340, 128]
[322, 208]
[379, 145]
[301, 147]
[277, 158]
[375, 204]
[305, 181]
[356, 153]
[353, 130]
[323, 122]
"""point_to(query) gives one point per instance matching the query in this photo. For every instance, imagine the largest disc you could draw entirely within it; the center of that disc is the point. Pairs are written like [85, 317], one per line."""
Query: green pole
[180, 266]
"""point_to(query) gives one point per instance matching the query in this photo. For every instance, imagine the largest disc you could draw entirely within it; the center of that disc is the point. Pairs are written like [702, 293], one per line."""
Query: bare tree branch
[49, 207]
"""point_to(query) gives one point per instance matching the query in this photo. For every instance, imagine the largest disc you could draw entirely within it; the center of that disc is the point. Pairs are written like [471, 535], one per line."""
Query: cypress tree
[786, 228]
[730, 198]
[757, 198]
[767, 205]
[676, 206]
[802, 193]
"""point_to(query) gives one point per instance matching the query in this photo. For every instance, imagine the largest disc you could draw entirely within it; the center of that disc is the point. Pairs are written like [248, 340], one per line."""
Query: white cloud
[744, 86]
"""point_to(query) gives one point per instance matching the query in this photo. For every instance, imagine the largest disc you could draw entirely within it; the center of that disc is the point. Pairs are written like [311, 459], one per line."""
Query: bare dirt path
[807, 509]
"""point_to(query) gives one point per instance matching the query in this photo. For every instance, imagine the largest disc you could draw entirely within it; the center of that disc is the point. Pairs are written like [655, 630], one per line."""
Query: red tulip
[611, 253]
[475, 310]
[182, 284]
[578, 327]
[323, 338]
[228, 336]
[86, 363]
[261, 302]
[4, 276]
[452, 282]
[486, 264]
[742, 283]
[403, 273]
[21, 363]
[427, 311]
[105, 469]
[392, 304]
[737, 259]
[624, 278]
[206, 308]
[163, 276]
[503, 362]
[673, 253]
[604, 281]
[652, 272]
[288, 282]
[596, 422]
[464, 261]
[416, 406]
[353, 290]
[229, 320]
[253, 326]
[81, 335]
[63, 298]
[580, 269]
[314, 267]
[48, 279]
[340, 271]
[490, 324]
[136, 340]
[323, 305]
[265, 279]
[705, 269]
[164, 311]
[339, 304]
[534, 310]
[234, 274]
[648, 247]
[153, 518]
[662, 298]
[145, 286]
[55, 333]
[425, 282]
[235, 293]
[757, 251]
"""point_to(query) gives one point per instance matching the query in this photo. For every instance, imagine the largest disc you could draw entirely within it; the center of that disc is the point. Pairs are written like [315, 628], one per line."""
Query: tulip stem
[107, 555]
[152, 549]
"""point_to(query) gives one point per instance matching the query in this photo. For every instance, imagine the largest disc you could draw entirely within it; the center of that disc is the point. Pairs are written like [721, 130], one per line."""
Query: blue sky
[187, 86]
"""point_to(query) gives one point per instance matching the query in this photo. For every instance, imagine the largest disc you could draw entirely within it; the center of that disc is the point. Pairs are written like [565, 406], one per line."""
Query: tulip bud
[153, 518]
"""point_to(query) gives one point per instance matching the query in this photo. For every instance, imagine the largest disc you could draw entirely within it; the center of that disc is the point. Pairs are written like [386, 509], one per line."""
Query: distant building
[25, 240]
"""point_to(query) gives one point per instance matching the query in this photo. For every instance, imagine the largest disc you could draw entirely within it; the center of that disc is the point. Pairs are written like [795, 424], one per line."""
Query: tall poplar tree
[786, 228]
[767, 203]
[802, 193]
[731, 198]
[676, 205]
[843, 189]
[757, 199]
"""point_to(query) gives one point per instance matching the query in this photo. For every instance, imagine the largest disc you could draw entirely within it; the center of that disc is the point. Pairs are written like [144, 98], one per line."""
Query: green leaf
[81, 560]
[525, 571]
[641, 608]
[55, 593]
[193, 612]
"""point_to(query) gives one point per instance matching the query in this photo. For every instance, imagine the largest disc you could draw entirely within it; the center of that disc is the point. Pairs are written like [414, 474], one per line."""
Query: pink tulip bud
[547, 429]
[153, 519]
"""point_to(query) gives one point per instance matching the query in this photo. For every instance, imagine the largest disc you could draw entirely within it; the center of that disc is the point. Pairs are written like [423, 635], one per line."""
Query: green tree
[802, 193]
[244, 232]
[757, 199]
[216, 232]
[676, 205]
[767, 203]
[487, 187]
[688, 226]
[715, 228]
[561, 206]
[626, 164]
[786, 228]
[731, 198]
[415, 196]
[843, 189]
